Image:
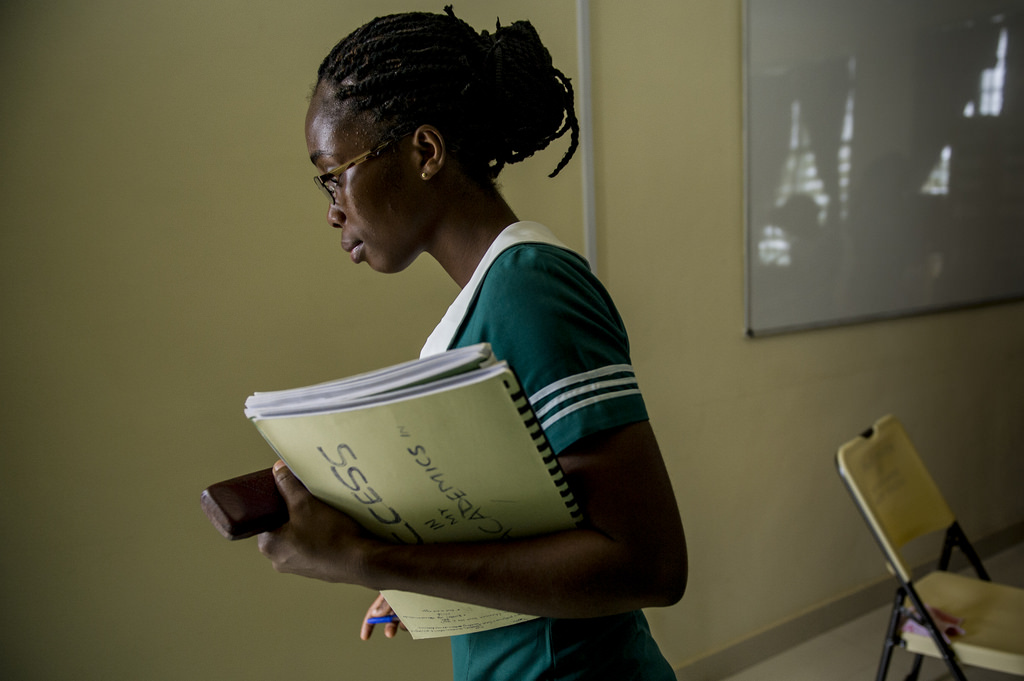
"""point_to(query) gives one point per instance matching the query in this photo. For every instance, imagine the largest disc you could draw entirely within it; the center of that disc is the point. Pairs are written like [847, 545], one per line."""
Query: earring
[424, 175]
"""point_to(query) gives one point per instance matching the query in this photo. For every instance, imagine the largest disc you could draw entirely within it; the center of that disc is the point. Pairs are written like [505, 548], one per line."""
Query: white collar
[516, 233]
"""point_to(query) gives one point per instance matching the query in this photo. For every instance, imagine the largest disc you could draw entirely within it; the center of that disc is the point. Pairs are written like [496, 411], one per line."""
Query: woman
[412, 118]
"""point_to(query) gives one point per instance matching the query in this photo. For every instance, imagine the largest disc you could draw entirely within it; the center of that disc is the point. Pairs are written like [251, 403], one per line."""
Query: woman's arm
[630, 553]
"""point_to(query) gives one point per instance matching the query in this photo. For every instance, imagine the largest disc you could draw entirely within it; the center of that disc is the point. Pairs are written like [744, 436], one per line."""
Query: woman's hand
[318, 541]
[629, 554]
[380, 608]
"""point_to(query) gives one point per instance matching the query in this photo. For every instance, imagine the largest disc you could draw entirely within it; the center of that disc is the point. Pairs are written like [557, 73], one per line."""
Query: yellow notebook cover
[457, 459]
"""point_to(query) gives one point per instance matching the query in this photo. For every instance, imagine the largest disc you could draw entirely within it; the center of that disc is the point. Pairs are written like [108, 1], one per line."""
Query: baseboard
[769, 642]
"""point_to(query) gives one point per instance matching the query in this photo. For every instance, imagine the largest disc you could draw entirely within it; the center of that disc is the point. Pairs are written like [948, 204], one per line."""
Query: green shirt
[544, 312]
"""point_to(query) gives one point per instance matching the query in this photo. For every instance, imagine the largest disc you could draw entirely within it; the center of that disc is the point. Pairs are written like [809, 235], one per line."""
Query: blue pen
[382, 620]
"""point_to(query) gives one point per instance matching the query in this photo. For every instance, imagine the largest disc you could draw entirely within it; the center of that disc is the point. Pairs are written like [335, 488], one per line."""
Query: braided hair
[497, 98]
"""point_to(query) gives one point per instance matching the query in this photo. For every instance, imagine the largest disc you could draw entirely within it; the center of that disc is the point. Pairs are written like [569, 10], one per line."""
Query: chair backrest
[893, 489]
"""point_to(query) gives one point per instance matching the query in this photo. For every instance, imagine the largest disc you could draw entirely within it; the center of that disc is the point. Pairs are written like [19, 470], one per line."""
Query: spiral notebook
[443, 449]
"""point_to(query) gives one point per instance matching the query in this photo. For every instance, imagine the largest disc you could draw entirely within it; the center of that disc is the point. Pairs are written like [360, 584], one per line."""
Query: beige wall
[164, 254]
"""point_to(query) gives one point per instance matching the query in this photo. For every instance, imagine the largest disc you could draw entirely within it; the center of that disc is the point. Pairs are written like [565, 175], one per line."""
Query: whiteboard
[884, 158]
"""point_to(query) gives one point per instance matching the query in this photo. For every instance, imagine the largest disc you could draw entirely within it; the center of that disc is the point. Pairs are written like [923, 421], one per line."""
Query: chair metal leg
[944, 648]
[955, 538]
[972, 555]
[916, 669]
[892, 636]
[954, 669]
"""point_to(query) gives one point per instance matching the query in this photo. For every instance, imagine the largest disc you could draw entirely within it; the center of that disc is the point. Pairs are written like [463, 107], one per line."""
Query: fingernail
[279, 468]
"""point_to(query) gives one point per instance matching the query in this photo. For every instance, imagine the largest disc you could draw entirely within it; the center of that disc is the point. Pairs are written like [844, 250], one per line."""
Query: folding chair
[900, 502]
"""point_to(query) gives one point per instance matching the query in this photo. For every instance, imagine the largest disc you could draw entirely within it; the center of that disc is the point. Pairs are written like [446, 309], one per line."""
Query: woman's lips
[355, 251]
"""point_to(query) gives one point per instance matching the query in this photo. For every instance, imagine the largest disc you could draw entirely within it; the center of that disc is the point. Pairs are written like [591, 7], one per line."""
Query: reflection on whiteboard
[885, 158]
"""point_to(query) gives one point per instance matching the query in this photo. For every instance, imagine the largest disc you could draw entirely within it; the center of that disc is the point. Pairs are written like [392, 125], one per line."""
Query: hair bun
[531, 101]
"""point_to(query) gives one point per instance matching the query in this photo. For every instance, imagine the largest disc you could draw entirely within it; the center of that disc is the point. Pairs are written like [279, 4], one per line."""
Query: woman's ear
[431, 153]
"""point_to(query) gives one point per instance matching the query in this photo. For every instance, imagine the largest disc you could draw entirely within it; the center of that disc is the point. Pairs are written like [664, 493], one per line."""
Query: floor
[851, 652]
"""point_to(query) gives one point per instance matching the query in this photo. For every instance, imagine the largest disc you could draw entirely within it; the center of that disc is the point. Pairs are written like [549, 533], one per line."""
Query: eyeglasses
[331, 176]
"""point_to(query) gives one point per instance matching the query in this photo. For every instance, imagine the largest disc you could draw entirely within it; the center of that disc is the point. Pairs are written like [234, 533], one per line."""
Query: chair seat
[993, 617]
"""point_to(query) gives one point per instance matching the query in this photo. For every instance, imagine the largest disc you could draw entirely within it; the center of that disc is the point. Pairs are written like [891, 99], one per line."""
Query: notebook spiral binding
[540, 440]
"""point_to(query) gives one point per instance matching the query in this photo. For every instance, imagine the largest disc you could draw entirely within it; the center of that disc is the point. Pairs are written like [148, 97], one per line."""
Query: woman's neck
[468, 232]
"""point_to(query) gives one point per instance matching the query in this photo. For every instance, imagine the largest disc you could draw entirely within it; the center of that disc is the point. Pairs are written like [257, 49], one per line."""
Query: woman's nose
[335, 216]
